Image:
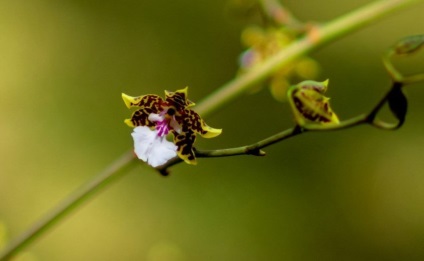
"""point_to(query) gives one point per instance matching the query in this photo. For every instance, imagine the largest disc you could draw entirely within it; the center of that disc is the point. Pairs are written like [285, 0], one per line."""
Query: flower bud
[309, 104]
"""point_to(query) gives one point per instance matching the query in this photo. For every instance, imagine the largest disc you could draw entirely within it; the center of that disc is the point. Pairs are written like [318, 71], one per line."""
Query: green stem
[326, 33]
[413, 79]
[276, 11]
[252, 149]
[106, 177]
[255, 148]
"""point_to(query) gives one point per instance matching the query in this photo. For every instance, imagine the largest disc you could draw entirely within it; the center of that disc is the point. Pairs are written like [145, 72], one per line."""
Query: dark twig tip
[262, 153]
[164, 172]
[255, 151]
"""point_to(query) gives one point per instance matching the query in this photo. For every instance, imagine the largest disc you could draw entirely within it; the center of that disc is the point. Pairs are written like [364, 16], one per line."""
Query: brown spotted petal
[193, 121]
[184, 142]
[148, 104]
[178, 99]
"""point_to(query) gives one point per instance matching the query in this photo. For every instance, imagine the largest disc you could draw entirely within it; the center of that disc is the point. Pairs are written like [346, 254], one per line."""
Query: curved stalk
[115, 170]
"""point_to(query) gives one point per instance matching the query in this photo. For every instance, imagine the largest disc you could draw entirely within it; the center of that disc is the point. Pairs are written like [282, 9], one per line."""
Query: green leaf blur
[349, 195]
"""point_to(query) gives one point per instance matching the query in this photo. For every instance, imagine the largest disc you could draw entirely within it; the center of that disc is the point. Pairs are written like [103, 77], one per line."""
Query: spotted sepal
[179, 99]
[193, 121]
[184, 141]
[147, 103]
[310, 105]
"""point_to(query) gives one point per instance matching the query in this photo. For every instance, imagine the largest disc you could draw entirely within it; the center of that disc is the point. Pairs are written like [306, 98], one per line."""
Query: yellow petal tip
[190, 104]
[128, 100]
[129, 123]
[185, 90]
[191, 162]
[186, 159]
[211, 132]
[325, 83]
[335, 119]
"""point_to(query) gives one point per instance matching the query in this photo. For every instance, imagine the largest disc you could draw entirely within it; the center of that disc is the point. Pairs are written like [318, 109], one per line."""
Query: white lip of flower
[152, 148]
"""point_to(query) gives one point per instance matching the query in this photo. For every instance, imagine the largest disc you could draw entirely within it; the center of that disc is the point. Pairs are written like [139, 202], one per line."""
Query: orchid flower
[162, 117]
[264, 43]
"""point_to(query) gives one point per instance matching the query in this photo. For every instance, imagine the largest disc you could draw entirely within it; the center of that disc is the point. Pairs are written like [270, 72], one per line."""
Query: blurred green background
[350, 195]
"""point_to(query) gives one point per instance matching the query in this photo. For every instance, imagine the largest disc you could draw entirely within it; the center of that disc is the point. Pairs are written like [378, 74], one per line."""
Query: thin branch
[397, 76]
[281, 15]
[413, 79]
[107, 176]
[252, 149]
[255, 149]
[328, 32]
